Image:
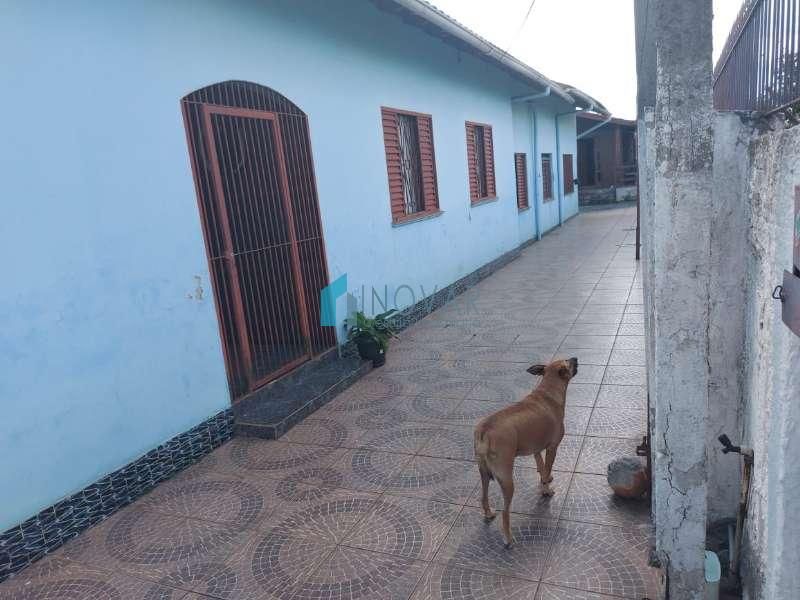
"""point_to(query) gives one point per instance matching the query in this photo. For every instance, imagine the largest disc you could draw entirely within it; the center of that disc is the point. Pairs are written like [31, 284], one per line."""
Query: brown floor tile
[272, 566]
[379, 385]
[602, 559]
[276, 459]
[406, 438]
[472, 543]
[434, 479]
[504, 390]
[590, 500]
[582, 394]
[528, 497]
[449, 582]
[324, 432]
[65, 579]
[566, 455]
[451, 441]
[349, 573]
[597, 452]
[469, 412]
[362, 469]
[230, 501]
[617, 422]
[170, 550]
[622, 396]
[405, 527]
[552, 592]
[425, 408]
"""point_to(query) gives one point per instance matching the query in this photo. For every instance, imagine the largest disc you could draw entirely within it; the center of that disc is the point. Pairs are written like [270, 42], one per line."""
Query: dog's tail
[483, 448]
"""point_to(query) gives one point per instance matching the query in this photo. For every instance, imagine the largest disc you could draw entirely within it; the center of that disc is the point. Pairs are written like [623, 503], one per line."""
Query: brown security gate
[251, 157]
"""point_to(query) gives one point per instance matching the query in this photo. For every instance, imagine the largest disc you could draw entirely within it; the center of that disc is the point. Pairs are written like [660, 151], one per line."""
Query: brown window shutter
[472, 163]
[392, 144]
[428, 160]
[547, 177]
[521, 168]
[569, 178]
[488, 147]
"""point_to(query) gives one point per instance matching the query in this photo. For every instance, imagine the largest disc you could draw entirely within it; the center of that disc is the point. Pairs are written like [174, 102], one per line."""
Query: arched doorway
[253, 170]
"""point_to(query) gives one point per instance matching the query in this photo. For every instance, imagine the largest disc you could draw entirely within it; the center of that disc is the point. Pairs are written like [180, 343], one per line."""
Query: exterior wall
[109, 336]
[771, 411]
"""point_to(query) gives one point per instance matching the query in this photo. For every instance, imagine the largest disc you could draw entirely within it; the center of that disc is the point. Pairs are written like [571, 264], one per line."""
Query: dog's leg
[544, 477]
[547, 475]
[488, 514]
[507, 487]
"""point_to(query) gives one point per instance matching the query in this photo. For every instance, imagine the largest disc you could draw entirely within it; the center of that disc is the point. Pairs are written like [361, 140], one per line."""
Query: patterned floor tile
[275, 459]
[566, 455]
[169, 550]
[552, 592]
[597, 452]
[449, 582]
[407, 438]
[349, 573]
[213, 496]
[625, 375]
[362, 469]
[323, 432]
[622, 396]
[405, 527]
[503, 390]
[434, 479]
[582, 394]
[61, 579]
[528, 497]
[328, 519]
[591, 500]
[451, 441]
[470, 412]
[472, 543]
[617, 422]
[602, 559]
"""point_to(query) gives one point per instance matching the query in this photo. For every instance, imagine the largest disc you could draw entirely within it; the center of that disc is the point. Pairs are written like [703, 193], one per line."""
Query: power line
[521, 27]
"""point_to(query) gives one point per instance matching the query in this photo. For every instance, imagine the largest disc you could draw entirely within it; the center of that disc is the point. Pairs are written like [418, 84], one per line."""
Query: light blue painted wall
[106, 348]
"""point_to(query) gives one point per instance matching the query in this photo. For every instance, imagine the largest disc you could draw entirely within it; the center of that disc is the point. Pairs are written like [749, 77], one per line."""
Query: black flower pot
[369, 349]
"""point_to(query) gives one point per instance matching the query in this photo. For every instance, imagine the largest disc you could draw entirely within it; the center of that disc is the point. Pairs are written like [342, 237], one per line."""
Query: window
[521, 168]
[480, 159]
[411, 164]
[547, 177]
[569, 177]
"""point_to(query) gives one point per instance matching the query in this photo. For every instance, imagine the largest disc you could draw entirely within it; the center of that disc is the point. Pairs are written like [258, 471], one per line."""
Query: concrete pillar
[730, 221]
[681, 234]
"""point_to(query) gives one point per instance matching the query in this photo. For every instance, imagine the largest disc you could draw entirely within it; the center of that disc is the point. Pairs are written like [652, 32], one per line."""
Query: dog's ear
[536, 369]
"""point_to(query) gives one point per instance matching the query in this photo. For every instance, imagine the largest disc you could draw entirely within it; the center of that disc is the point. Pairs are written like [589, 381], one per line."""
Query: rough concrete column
[681, 233]
[730, 221]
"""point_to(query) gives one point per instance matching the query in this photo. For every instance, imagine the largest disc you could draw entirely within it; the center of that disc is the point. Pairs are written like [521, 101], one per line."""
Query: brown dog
[532, 425]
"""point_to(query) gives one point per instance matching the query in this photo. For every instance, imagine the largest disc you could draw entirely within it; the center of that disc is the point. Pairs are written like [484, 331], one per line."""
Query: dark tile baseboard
[52, 527]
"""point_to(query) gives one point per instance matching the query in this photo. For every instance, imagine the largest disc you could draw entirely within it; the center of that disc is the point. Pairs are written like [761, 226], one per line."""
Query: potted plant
[371, 335]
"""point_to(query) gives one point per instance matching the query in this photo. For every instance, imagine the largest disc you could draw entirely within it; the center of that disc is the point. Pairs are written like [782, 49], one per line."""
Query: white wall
[107, 348]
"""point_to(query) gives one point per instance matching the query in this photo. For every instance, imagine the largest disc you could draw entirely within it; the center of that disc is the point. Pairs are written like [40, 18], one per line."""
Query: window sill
[416, 218]
[482, 201]
[523, 209]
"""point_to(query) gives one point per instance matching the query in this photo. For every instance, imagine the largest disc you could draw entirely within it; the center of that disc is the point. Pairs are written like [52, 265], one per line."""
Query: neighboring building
[607, 168]
[377, 140]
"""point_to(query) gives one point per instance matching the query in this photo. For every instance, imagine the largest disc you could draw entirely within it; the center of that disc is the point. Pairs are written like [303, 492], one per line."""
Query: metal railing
[759, 68]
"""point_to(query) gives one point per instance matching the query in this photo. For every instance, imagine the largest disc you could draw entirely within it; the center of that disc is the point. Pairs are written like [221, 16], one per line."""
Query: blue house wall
[109, 341]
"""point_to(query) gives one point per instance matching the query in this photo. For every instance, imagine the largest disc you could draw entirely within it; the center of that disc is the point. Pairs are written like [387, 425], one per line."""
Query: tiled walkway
[375, 495]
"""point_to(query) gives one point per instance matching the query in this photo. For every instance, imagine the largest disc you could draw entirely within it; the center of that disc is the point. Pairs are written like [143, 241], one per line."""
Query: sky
[586, 43]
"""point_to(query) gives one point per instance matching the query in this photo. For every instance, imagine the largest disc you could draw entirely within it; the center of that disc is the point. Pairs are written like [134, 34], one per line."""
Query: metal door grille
[251, 158]
[410, 164]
